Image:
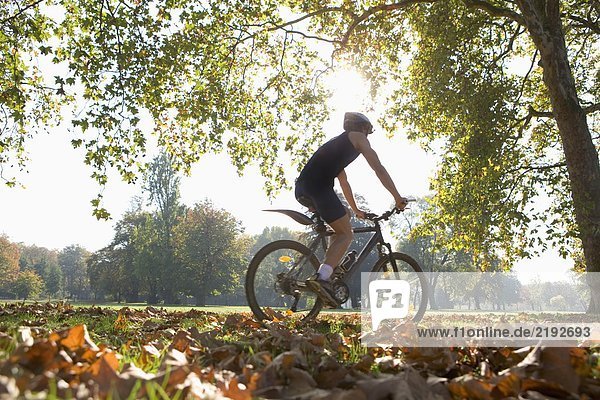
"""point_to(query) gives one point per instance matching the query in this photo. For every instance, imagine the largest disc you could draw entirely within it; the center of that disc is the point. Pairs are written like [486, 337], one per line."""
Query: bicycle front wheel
[402, 266]
[275, 287]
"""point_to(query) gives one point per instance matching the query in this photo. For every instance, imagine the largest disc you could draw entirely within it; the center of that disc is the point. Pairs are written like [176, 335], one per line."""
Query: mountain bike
[276, 277]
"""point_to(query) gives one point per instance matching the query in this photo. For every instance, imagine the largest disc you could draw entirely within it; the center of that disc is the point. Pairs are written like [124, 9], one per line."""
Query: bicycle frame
[376, 240]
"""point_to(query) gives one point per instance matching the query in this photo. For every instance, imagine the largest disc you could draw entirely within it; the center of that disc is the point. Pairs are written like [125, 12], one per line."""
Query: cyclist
[314, 189]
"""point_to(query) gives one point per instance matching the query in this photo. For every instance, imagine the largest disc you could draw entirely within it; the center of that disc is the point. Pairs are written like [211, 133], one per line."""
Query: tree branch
[527, 168]
[540, 114]
[592, 108]
[495, 10]
[21, 11]
[358, 19]
[585, 23]
[282, 26]
[509, 47]
[523, 170]
[548, 114]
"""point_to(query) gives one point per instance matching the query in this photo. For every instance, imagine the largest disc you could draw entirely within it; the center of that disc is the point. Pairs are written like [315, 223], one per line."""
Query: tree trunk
[200, 298]
[152, 295]
[544, 25]
[432, 286]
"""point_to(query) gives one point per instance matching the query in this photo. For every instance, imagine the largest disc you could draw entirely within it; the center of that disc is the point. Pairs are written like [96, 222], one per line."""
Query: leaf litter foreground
[59, 351]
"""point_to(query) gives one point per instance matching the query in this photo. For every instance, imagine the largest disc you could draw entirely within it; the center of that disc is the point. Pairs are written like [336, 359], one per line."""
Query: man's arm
[347, 191]
[361, 143]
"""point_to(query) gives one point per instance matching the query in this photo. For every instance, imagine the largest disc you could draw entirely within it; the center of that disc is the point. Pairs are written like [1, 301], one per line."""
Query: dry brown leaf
[121, 322]
[288, 360]
[298, 382]
[330, 373]
[506, 385]
[235, 390]
[108, 360]
[223, 352]
[104, 373]
[548, 388]
[181, 342]
[339, 394]
[75, 338]
[149, 354]
[260, 360]
[467, 387]
[37, 358]
[556, 366]
[233, 321]
[317, 339]
[381, 388]
[439, 360]
[365, 363]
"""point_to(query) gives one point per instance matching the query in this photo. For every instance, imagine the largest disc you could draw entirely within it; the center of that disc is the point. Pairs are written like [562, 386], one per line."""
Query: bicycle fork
[389, 254]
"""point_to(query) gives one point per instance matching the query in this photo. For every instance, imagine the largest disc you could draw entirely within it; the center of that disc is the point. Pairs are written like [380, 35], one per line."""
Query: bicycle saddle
[296, 216]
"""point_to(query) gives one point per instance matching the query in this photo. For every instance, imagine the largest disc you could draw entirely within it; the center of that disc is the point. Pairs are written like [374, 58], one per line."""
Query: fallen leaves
[156, 353]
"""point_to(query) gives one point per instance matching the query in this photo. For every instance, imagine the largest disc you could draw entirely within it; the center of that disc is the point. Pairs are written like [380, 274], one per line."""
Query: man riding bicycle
[314, 189]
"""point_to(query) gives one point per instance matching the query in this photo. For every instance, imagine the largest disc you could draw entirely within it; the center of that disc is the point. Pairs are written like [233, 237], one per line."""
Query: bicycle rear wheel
[406, 268]
[275, 278]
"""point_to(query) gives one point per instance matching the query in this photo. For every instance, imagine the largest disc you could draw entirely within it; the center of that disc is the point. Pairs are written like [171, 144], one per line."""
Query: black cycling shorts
[322, 199]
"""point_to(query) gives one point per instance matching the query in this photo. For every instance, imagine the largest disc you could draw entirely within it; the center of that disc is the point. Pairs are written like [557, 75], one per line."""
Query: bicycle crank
[341, 290]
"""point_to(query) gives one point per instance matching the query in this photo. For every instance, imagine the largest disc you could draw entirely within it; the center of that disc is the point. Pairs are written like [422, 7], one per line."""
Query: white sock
[325, 271]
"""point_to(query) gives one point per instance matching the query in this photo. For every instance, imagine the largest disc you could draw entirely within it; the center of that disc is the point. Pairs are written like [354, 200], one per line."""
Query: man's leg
[335, 252]
[340, 242]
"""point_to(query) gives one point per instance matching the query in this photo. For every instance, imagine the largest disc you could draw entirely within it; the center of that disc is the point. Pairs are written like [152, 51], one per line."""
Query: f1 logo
[389, 299]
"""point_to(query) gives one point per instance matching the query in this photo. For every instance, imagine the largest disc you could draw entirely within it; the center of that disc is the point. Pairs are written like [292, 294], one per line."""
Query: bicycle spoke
[275, 283]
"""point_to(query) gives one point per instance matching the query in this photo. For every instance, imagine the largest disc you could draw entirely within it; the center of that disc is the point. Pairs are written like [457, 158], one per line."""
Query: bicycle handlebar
[386, 215]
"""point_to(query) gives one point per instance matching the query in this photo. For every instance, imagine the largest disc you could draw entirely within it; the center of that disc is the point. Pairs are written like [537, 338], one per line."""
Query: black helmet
[354, 121]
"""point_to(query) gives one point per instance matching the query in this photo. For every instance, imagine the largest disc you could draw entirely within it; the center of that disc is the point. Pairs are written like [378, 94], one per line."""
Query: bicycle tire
[408, 265]
[270, 253]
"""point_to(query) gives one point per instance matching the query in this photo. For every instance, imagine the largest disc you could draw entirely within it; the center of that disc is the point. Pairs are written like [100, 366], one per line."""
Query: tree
[191, 68]
[24, 97]
[28, 285]
[271, 234]
[211, 250]
[147, 257]
[105, 272]
[458, 87]
[44, 263]
[162, 187]
[72, 261]
[429, 246]
[124, 244]
[9, 263]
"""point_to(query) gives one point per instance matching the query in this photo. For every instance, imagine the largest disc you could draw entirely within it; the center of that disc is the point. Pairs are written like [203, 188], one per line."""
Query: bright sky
[54, 209]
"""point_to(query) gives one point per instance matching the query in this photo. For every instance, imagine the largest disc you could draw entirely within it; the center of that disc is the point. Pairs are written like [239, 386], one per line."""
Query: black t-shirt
[328, 161]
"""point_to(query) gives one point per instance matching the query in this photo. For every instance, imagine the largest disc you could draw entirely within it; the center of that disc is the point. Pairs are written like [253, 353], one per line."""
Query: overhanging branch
[585, 23]
[495, 10]
[358, 19]
[548, 114]
[21, 11]
[592, 109]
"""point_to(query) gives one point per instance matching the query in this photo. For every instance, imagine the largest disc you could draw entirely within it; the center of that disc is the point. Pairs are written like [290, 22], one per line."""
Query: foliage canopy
[244, 77]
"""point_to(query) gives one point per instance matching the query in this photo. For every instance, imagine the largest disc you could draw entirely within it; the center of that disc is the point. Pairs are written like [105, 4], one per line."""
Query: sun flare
[350, 89]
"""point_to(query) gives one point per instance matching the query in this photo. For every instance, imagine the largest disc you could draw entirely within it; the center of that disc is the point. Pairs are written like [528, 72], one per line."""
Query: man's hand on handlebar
[386, 215]
[360, 214]
[401, 202]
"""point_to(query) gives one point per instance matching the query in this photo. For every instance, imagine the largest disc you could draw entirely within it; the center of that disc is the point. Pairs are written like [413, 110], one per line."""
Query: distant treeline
[209, 256]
